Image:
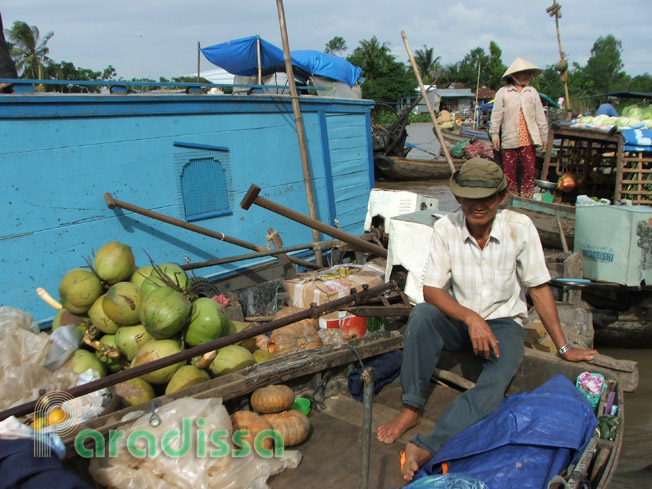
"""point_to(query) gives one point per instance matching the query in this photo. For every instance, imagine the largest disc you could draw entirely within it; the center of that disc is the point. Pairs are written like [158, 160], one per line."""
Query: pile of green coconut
[132, 315]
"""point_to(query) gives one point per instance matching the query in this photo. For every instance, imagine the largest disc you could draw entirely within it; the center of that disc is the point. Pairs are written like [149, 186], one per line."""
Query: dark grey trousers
[429, 331]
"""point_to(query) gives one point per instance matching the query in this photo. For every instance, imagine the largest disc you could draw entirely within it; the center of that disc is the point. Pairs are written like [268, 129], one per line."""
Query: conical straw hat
[521, 64]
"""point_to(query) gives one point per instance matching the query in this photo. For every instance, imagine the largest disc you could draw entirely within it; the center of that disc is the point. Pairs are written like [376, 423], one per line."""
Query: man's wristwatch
[564, 349]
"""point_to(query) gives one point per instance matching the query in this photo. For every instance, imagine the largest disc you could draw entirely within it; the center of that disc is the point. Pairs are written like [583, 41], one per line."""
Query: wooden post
[301, 136]
[428, 104]
[198, 59]
[555, 11]
[260, 68]
[477, 89]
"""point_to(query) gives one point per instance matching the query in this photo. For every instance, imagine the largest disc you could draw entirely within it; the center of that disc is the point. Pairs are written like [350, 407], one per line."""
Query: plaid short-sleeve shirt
[491, 281]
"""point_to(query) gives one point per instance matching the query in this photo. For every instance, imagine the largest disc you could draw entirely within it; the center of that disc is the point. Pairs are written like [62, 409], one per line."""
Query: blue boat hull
[61, 153]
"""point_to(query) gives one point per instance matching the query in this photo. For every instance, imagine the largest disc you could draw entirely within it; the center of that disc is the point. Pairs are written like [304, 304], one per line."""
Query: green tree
[68, 71]
[495, 68]
[337, 46]
[641, 83]
[604, 65]
[386, 79]
[427, 64]
[550, 83]
[28, 49]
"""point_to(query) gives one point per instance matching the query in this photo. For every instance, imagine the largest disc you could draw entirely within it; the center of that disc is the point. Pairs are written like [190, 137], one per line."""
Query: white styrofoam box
[616, 243]
[390, 203]
[409, 244]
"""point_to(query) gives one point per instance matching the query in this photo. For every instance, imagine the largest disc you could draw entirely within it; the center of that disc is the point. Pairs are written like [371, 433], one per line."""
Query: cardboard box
[328, 285]
[616, 243]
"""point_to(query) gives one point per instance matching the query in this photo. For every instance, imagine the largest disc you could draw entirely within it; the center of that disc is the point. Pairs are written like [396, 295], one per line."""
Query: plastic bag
[193, 465]
[65, 340]
[22, 353]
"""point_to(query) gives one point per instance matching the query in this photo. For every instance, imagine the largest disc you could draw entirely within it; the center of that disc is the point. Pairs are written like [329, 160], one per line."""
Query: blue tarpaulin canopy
[240, 57]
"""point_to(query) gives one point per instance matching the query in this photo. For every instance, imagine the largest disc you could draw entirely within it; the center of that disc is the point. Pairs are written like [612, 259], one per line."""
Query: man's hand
[482, 337]
[579, 354]
[496, 144]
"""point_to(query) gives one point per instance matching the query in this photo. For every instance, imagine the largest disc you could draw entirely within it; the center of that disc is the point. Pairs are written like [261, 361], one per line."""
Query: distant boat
[395, 168]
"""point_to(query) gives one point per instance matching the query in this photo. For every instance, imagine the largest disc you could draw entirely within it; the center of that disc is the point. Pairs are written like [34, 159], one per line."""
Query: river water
[635, 464]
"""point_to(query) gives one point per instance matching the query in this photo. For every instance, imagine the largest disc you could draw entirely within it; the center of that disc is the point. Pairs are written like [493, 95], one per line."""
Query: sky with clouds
[159, 38]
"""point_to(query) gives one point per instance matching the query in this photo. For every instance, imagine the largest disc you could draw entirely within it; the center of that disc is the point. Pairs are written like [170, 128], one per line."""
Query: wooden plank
[349, 410]
[331, 458]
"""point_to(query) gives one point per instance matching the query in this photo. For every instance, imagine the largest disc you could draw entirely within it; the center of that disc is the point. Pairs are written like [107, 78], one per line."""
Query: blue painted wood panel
[60, 154]
[348, 140]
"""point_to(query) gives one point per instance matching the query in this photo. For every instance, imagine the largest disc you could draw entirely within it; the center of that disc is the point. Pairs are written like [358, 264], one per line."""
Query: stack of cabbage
[133, 315]
[632, 116]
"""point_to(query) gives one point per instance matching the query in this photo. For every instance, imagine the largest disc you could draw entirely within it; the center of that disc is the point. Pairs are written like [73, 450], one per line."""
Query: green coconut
[79, 289]
[140, 275]
[186, 376]
[114, 262]
[122, 302]
[262, 356]
[130, 339]
[99, 319]
[237, 327]
[231, 359]
[155, 350]
[172, 275]
[82, 360]
[64, 318]
[164, 312]
[134, 391]
[208, 321]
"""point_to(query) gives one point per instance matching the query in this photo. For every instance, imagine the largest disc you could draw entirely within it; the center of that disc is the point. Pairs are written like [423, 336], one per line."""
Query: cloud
[160, 39]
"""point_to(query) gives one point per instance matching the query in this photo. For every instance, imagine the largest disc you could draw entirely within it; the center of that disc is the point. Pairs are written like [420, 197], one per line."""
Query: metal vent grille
[204, 184]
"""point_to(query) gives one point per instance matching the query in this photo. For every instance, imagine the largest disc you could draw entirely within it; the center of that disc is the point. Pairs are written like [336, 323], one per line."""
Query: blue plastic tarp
[528, 440]
[240, 57]
[327, 65]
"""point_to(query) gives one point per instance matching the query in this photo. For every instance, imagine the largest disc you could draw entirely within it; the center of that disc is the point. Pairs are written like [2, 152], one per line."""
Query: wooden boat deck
[337, 436]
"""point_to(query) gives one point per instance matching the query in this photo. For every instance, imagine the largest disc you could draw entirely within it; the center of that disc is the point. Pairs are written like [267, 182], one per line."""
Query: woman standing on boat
[518, 124]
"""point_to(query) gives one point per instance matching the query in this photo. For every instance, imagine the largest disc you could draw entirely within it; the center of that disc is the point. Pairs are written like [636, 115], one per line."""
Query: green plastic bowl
[302, 404]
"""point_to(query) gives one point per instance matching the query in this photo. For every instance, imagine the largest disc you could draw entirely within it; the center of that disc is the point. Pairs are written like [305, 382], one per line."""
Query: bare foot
[389, 432]
[415, 457]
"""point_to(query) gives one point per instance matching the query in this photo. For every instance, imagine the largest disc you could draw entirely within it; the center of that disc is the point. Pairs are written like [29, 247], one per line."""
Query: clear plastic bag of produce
[191, 447]
[22, 353]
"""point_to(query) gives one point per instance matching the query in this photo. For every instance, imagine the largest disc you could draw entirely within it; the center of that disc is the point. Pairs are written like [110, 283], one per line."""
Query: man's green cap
[478, 178]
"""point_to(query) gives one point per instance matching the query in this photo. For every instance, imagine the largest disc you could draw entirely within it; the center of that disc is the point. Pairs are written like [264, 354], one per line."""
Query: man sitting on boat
[481, 262]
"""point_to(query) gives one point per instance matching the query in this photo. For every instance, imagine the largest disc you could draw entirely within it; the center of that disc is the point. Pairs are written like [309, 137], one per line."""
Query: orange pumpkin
[293, 338]
[254, 423]
[314, 323]
[292, 425]
[272, 399]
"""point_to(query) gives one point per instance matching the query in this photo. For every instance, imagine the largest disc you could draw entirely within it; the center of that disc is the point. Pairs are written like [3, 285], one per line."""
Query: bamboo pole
[260, 68]
[555, 11]
[301, 136]
[428, 104]
[477, 89]
[198, 59]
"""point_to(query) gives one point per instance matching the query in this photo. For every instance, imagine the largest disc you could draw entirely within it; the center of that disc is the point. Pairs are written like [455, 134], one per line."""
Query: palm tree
[373, 57]
[28, 50]
[427, 63]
